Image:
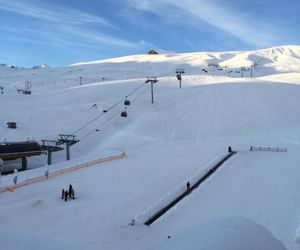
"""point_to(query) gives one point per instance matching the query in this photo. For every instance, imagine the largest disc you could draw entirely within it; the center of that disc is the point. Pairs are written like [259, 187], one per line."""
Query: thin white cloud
[97, 37]
[60, 26]
[246, 29]
[51, 13]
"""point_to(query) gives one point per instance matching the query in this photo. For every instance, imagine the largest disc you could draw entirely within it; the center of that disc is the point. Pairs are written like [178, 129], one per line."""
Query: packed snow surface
[228, 233]
[254, 196]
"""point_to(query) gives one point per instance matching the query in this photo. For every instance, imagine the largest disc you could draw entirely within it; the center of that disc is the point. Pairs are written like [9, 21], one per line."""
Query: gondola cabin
[12, 125]
[124, 114]
[126, 102]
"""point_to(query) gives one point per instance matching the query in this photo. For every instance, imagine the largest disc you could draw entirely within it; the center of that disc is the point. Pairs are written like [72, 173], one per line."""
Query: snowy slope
[228, 233]
[167, 144]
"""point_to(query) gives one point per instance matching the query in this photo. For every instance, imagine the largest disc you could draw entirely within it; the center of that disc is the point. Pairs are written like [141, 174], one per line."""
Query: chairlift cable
[140, 94]
[110, 108]
[102, 124]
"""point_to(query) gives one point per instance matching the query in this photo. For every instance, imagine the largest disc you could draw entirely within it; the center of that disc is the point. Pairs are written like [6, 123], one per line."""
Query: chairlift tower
[151, 80]
[179, 72]
[50, 146]
[69, 140]
[243, 69]
[253, 66]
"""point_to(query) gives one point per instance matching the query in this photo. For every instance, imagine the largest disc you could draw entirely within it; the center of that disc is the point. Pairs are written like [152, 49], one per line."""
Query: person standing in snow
[188, 185]
[70, 190]
[66, 195]
[63, 193]
[73, 194]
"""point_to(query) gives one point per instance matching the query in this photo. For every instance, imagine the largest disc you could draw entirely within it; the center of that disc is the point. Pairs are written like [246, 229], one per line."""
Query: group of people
[68, 193]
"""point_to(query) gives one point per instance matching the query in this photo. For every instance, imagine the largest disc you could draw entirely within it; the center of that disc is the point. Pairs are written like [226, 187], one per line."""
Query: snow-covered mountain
[276, 60]
[167, 143]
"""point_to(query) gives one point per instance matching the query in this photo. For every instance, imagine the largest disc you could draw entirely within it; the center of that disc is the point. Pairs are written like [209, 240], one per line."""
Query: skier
[229, 149]
[188, 185]
[66, 195]
[63, 193]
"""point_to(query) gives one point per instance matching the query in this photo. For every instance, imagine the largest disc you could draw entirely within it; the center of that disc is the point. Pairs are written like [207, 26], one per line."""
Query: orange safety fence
[36, 179]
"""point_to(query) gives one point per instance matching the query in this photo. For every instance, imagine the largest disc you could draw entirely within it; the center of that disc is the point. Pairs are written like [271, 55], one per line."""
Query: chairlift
[104, 111]
[126, 102]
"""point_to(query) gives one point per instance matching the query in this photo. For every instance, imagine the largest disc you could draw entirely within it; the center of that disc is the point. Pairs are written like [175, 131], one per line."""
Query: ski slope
[167, 144]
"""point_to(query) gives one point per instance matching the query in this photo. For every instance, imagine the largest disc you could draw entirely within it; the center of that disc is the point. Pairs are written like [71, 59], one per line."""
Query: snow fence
[61, 172]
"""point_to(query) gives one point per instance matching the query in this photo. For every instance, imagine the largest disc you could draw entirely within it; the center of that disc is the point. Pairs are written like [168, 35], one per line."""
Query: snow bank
[223, 234]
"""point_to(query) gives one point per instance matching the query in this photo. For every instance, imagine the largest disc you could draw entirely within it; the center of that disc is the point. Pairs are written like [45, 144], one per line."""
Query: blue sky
[61, 32]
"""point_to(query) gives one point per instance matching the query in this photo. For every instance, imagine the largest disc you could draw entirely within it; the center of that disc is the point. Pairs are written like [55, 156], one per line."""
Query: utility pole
[179, 72]
[152, 80]
[253, 66]
[50, 146]
[69, 140]
[242, 71]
